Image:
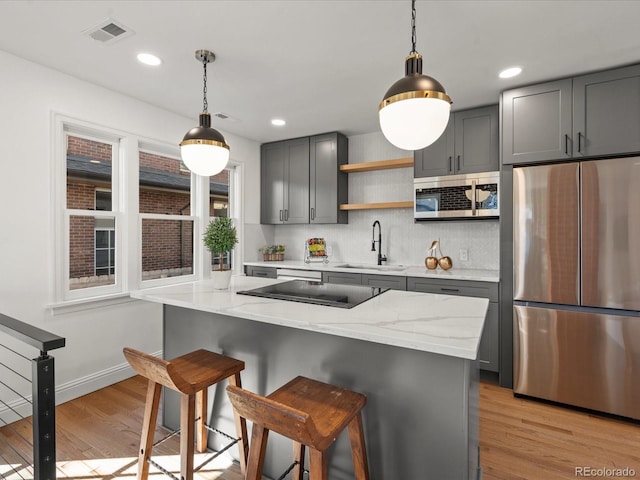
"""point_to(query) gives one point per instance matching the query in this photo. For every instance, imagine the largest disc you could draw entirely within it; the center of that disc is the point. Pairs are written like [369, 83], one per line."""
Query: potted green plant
[265, 253]
[280, 252]
[219, 238]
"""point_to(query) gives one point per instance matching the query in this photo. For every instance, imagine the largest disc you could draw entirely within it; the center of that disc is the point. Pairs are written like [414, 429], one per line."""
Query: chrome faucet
[381, 258]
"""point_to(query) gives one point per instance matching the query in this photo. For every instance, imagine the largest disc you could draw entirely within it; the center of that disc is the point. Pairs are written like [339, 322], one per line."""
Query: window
[91, 246]
[167, 224]
[129, 215]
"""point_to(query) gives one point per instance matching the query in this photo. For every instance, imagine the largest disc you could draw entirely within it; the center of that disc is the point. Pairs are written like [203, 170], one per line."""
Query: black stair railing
[42, 402]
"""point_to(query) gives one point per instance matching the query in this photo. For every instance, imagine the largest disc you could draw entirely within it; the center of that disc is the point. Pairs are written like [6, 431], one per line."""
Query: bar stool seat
[312, 414]
[190, 375]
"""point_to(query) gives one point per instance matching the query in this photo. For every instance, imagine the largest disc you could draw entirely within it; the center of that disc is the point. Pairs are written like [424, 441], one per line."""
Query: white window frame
[64, 127]
[125, 212]
[169, 151]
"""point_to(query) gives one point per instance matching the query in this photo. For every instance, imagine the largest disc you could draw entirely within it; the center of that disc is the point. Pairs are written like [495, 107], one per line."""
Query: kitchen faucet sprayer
[381, 258]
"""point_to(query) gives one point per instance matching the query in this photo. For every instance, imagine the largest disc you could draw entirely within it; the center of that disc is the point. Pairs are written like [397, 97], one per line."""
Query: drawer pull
[444, 289]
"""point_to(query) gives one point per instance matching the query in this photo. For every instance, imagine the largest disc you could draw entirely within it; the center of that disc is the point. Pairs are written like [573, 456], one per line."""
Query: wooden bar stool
[310, 413]
[190, 375]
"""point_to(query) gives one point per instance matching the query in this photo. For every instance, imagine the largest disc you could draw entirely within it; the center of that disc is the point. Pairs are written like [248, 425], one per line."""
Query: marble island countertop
[402, 270]
[441, 324]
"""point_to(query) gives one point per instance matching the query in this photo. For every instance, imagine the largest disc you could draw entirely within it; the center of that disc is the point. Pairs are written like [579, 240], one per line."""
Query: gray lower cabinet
[394, 282]
[470, 144]
[328, 185]
[264, 272]
[586, 116]
[489, 351]
[342, 277]
[284, 193]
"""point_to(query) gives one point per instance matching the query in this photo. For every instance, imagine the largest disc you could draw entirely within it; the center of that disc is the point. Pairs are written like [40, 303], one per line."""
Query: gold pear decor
[432, 262]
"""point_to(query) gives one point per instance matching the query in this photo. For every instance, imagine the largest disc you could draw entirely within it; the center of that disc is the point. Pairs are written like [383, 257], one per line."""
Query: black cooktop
[328, 294]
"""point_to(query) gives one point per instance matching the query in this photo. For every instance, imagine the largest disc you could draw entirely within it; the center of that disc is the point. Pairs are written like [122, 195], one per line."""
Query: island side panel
[421, 417]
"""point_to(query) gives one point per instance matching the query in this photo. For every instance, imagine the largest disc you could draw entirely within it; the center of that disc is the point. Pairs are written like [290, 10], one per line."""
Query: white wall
[404, 241]
[30, 93]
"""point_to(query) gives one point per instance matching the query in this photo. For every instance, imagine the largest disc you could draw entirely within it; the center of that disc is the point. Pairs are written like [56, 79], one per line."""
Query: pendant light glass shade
[415, 110]
[203, 149]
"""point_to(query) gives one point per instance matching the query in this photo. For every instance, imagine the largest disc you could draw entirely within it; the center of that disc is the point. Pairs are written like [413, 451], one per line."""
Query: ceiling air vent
[108, 31]
[226, 117]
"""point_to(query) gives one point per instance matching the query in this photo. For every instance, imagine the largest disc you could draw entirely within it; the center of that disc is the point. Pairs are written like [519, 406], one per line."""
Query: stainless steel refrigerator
[577, 284]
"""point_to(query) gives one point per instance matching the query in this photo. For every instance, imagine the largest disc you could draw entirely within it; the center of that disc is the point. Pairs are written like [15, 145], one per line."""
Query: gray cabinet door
[296, 181]
[468, 145]
[328, 186]
[606, 112]
[272, 168]
[489, 350]
[342, 277]
[395, 282]
[437, 159]
[264, 272]
[476, 140]
[537, 123]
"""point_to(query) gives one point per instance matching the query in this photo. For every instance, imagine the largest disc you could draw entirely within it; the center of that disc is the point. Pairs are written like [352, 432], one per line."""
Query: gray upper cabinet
[470, 144]
[301, 181]
[537, 123]
[284, 190]
[606, 112]
[586, 116]
[328, 186]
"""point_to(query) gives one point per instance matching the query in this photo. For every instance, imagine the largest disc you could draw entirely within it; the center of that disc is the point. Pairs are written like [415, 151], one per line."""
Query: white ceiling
[322, 65]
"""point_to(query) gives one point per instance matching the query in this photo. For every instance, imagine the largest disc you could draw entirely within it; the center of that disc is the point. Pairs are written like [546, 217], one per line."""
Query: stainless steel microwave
[469, 196]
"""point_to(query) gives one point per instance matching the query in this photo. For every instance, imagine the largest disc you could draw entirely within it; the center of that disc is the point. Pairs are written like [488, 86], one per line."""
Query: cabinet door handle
[286, 214]
[566, 144]
[282, 215]
[458, 162]
[450, 164]
[313, 213]
[579, 142]
[444, 289]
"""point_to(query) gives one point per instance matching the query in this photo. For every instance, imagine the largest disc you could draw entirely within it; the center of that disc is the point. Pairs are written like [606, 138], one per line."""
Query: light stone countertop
[401, 270]
[441, 324]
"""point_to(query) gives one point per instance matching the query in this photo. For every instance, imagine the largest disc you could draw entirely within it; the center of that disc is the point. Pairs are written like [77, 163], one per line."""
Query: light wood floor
[520, 439]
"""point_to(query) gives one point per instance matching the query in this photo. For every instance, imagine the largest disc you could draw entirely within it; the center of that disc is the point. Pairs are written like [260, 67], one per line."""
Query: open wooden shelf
[379, 165]
[372, 206]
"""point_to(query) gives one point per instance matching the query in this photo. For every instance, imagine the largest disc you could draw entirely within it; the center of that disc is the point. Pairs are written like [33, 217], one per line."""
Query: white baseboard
[70, 390]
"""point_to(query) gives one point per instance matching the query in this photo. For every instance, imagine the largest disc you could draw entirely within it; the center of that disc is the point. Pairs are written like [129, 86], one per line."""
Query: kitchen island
[413, 355]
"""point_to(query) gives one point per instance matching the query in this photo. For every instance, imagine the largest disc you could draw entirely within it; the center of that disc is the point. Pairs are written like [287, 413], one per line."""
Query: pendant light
[203, 149]
[415, 110]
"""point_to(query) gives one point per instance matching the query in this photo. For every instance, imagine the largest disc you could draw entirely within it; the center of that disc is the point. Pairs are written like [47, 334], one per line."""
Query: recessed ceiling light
[149, 59]
[510, 72]
[278, 122]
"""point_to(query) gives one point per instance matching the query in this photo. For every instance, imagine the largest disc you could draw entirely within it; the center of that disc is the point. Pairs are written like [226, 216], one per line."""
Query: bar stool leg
[201, 411]
[298, 456]
[241, 429]
[148, 428]
[318, 465]
[358, 450]
[187, 419]
[259, 437]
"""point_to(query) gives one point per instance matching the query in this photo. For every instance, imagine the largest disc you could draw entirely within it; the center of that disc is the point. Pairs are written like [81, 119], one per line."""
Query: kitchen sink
[382, 268]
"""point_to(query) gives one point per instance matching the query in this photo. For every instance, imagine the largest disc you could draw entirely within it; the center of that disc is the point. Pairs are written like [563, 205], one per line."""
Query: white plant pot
[221, 279]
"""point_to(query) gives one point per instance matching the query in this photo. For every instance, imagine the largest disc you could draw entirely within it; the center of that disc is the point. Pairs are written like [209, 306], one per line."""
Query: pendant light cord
[205, 104]
[413, 26]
